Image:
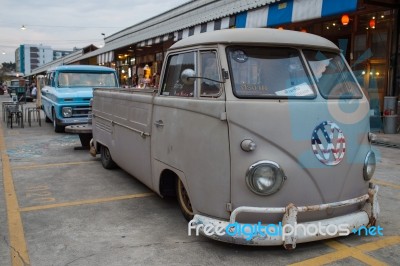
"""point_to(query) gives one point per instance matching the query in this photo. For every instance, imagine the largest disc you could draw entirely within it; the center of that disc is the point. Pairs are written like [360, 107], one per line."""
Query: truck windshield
[332, 75]
[15, 83]
[265, 72]
[86, 79]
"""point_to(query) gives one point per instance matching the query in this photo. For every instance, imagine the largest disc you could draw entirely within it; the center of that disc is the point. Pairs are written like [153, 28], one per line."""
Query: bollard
[390, 115]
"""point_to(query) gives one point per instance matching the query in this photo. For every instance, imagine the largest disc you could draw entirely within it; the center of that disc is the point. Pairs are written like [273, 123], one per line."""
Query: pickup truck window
[14, 83]
[49, 79]
[209, 69]
[86, 79]
[333, 77]
[172, 85]
[266, 72]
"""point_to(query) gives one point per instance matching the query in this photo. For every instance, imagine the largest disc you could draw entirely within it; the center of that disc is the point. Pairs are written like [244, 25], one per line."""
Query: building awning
[291, 11]
[219, 24]
[156, 40]
[105, 57]
[200, 16]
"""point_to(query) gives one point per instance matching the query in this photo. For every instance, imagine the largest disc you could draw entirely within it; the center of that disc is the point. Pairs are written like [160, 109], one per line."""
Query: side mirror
[187, 76]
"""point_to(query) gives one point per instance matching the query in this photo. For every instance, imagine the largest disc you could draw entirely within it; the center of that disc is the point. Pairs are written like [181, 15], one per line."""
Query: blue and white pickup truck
[68, 90]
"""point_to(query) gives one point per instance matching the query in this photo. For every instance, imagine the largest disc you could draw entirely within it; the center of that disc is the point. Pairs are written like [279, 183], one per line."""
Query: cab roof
[257, 36]
[81, 68]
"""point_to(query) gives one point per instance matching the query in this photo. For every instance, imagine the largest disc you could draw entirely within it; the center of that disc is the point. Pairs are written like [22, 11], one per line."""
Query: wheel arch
[97, 146]
[165, 176]
[53, 111]
[167, 183]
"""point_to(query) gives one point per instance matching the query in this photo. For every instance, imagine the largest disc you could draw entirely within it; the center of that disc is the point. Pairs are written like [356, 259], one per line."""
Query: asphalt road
[63, 208]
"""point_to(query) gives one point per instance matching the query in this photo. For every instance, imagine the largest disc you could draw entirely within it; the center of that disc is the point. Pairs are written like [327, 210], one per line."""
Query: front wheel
[106, 159]
[47, 119]
[184, 201]
[57, 128]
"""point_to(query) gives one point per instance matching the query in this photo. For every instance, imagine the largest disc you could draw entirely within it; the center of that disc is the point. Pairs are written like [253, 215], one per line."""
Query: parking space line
[386, 184]
[17, 243]
[357, 252]
[387, 241]
[85, 202]
[50, 165]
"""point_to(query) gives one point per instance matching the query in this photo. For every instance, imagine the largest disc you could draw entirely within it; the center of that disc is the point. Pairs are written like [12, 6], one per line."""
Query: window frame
[166, 72]
[350, 72]
[197, 82]
[219, 70]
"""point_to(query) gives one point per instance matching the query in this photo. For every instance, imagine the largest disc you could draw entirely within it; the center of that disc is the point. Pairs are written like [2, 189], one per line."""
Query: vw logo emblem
[328, 143]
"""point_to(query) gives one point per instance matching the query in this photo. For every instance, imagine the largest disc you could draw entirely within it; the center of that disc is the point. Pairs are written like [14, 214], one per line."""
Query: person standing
[34, 91]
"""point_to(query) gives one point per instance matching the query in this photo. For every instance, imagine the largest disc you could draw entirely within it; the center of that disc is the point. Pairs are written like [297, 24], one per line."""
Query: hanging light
[372, 23]
[23, 27]
[345, 19]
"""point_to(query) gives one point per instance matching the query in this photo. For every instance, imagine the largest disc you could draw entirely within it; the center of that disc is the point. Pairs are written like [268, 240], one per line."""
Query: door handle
[159, 123]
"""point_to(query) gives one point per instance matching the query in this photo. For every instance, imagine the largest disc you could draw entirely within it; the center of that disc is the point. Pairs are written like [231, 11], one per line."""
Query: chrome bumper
[72, 121]
[349, 222]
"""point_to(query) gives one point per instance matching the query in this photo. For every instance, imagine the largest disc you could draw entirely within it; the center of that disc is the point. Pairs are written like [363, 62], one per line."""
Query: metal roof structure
[199, 16]
[184, 16]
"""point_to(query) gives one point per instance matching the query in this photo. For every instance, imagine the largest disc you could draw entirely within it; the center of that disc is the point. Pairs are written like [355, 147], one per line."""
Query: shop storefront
[139, 65]
[368, 40]
[366, 32]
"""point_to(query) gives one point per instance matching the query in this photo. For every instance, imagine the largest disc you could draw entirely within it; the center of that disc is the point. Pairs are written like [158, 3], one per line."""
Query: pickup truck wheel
[57, 128]
[184, 201]
[106, 159]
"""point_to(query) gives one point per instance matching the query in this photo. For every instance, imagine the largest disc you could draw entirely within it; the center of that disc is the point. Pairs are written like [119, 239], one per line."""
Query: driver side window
[173, 85]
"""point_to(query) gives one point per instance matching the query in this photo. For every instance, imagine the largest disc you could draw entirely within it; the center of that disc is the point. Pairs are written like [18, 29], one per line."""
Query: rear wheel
[184, 201]
[106, 159]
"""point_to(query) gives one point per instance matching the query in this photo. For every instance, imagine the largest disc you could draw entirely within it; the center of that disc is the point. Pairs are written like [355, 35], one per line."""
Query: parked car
[67, 92]
[17, 87]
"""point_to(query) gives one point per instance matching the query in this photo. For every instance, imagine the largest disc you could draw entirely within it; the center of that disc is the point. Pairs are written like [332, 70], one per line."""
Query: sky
[65, 24]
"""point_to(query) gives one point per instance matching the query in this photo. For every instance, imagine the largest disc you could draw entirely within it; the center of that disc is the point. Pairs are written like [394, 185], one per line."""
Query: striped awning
[274, 14]
[156, 40]
[291, 11]
[218, 24]
[200, 16]
[105, 57]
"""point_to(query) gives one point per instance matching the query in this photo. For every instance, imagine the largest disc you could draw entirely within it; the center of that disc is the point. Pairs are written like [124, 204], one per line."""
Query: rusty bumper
[347, 223]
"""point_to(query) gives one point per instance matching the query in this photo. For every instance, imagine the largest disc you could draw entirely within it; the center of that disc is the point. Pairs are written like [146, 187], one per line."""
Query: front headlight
[66, 111]
[369, 166]
[265, 177]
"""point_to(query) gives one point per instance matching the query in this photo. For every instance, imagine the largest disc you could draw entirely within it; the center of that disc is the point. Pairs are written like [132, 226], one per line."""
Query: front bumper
[347, 223]
[72, 121]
